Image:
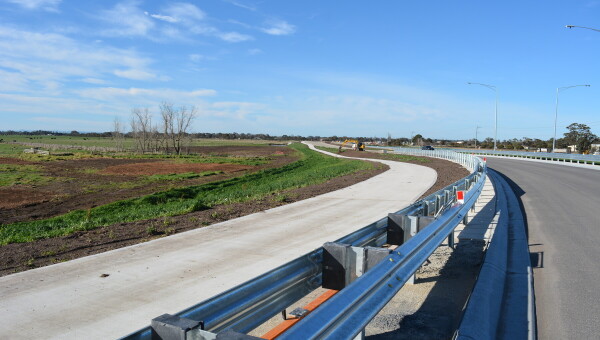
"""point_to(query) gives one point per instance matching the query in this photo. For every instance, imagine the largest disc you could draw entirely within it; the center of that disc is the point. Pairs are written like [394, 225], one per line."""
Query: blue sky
[310, 67]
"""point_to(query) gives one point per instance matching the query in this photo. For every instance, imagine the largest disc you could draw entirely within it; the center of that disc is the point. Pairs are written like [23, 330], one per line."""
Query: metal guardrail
[548, 156]
[250, 304]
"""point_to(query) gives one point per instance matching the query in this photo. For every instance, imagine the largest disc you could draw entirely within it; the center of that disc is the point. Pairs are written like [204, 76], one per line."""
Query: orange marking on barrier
[286, 324]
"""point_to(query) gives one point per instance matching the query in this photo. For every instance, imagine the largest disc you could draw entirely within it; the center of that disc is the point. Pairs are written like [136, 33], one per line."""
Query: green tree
[581, 136]
[417, 139]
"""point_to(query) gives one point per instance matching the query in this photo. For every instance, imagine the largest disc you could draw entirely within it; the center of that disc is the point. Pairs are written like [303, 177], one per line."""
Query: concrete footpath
[111, 294]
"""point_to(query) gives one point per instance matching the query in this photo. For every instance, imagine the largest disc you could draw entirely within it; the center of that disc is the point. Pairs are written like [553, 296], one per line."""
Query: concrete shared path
[76, 300]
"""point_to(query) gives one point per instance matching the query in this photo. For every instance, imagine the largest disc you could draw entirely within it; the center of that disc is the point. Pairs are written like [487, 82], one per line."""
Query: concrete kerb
[501, 305]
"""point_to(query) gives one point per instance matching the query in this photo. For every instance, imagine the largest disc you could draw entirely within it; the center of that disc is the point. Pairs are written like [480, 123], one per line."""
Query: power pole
[476, 129]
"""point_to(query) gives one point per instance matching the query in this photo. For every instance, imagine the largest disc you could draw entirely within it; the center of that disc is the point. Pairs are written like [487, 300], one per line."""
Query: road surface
[562, 208]
[77, 300]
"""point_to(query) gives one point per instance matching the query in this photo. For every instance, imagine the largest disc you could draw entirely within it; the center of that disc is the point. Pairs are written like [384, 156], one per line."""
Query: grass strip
[386, 156]
[312, 168]
[14, 174]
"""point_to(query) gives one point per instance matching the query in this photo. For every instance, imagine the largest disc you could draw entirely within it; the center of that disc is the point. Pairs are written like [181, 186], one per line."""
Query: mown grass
[15, 174]
[386, 156]
[311, 168]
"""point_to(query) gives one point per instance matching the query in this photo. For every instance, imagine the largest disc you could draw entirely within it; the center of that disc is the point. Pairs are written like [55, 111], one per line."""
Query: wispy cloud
[279, 27]
[46, 5]
[241, 5]
[152, 95]
[236, 110]
[44, 61]
[163, 17]
[127, 19]
[234, 37]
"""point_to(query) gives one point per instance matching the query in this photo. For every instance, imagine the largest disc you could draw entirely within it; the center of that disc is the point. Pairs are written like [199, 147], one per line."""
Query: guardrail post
[343, 263]
[401, 228]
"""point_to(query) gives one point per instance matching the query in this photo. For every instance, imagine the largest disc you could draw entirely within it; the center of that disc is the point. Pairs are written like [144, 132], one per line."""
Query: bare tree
[141, 128]
[117, 134]
[176, 123]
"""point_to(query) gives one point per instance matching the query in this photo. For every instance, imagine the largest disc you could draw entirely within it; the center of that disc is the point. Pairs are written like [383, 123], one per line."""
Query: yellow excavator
[360, 146]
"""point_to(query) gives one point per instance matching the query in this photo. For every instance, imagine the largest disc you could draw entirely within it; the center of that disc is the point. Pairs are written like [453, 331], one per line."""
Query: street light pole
[492, 87]
[588, 28]
[476, 130]
[558, 89]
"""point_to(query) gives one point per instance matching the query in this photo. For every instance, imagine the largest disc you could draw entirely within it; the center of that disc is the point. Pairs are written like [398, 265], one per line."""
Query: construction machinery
[356, 145]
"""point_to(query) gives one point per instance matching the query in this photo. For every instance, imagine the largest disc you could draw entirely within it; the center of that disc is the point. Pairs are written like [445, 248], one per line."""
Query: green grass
[13, 174]
[178, 177]
[387, 156]
[311, 168]
[11, 149]
[127, 142]
[67, 140]
[252, 160]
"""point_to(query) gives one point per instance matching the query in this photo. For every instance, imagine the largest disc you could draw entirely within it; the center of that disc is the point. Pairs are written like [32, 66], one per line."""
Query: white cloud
[196, 58]
[255, 51]
[135, 74]
[34, 61]
[241, 5]
[279, 27]
[163, 17]
[234, 37]
[47, 5]
[185, 12]
[127, 19]
[152, 95]
[177, 21]
[95, 81]
[236, 110]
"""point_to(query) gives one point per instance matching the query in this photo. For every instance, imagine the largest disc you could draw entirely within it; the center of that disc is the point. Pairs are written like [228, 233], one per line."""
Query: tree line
[171, 134]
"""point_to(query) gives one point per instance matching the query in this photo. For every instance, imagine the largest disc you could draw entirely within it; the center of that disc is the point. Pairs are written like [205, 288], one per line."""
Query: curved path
[74, 300]
[561, 204]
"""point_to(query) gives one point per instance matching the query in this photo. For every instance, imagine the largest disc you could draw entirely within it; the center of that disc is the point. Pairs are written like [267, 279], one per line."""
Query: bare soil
[66, 197]
[87, 183]
[447, 172]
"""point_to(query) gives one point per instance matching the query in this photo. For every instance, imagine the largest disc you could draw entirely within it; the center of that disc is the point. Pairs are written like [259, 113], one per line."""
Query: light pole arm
[588, 28]
[558, 89]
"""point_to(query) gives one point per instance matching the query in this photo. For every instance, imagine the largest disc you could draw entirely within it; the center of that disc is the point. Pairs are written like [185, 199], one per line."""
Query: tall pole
[589, 28]
[558, 89]
[476, 130]
[493, 88]
[496, 120]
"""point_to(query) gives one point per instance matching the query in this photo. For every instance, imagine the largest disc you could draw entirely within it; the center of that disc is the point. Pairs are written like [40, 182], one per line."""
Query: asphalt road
[562, 208]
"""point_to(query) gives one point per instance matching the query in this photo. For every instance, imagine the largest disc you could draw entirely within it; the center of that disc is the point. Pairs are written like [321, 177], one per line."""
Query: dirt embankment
[447, 172]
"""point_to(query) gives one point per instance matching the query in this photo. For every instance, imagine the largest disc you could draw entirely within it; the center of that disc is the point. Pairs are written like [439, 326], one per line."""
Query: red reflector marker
[460, 197]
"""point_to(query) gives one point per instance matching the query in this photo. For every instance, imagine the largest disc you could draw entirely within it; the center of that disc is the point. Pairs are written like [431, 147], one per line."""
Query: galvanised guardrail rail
[250, 304]
[547, 156]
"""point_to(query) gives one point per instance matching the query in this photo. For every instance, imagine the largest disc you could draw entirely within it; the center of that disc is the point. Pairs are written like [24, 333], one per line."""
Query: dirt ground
[86, 183]
[25, 256]
[447, 172]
